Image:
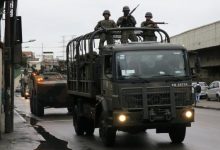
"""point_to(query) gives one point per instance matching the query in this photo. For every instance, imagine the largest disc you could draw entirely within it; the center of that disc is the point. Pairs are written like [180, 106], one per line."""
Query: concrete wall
[199, 38]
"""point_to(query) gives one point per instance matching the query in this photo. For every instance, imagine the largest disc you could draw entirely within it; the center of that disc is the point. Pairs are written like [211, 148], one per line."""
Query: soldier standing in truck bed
[127, 21]
[104, 24]
[149, 23]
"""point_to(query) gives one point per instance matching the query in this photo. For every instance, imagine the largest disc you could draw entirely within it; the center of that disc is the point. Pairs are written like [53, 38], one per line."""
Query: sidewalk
[208, 104]
[24, 136]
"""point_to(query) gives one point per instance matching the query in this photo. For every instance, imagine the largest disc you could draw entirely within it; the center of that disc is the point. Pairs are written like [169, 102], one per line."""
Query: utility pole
[13, 44]
[7, 68]
[10, 41]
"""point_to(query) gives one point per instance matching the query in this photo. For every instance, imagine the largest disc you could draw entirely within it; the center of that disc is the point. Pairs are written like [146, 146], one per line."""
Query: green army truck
[129, 87]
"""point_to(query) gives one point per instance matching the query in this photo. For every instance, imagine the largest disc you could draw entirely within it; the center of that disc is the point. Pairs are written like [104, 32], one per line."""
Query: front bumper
[135, 119]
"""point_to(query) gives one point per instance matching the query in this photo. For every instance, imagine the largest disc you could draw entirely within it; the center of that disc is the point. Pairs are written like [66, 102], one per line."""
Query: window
[216, 85]
[211, 85]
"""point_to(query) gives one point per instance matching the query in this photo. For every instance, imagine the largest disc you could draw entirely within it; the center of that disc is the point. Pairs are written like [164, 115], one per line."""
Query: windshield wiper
[138, 77]
[176, 78]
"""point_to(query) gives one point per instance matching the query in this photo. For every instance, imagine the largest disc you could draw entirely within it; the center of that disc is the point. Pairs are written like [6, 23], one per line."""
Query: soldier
[103, 24]
[127, 21]
[149, 35]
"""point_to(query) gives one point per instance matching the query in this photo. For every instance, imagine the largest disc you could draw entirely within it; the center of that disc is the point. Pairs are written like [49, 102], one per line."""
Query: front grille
[157, 96]
[181, 96]
[132, 98]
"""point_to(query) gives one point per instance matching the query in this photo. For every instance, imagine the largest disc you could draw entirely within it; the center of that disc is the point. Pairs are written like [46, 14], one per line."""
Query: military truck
[48, 89]
[129, 87]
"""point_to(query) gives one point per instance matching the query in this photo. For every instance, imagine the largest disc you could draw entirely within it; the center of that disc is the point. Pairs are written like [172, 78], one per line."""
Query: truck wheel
[78, 122]
[31, 105]
[177, 133]
[90, 127]
[38, 107]
[107, 134]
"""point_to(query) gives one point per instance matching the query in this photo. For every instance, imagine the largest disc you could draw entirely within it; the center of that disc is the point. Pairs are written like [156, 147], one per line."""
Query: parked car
[204, 88]
[213, 92]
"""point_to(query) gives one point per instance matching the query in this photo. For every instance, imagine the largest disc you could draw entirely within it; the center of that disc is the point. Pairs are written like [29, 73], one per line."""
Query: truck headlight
[188, 114]
[122, 118]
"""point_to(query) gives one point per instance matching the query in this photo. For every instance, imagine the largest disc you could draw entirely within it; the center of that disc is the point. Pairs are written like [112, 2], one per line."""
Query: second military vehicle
[48, 89]
[129, 87]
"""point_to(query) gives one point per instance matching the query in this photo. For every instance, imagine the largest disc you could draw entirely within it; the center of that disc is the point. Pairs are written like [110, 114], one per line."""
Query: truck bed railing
[81, 55]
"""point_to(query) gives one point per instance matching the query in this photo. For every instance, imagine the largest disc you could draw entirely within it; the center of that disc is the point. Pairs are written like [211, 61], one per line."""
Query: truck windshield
[150, 64]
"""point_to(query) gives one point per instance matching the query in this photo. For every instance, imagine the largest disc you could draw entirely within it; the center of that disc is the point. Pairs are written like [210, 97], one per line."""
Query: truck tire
[177, 133]
[31, 105]
[107, 134]
[89, 120]
[78, 122]
[90, 127]
[38, 107]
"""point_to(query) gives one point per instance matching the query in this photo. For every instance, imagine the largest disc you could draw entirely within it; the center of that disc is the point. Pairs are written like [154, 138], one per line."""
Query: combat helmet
[148, 14]
[126, 8]
[106, 12]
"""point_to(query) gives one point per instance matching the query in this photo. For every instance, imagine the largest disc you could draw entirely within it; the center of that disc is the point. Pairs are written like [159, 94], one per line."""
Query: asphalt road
[57, 129]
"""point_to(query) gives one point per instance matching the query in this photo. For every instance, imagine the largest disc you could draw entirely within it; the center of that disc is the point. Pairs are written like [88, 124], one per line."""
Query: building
[28, 54]
[203, 42]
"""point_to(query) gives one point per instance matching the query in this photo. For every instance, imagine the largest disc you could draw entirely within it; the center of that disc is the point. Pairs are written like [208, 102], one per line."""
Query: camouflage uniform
[129, 34]
[149, 35]
[103, 36]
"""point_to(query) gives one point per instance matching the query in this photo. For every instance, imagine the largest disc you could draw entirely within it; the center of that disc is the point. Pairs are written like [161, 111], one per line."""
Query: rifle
[157, 23]
[133, 10]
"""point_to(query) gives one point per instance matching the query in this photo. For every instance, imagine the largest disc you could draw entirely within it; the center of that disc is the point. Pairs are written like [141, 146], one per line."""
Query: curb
[25, 122]
[206, 107]
[22, 118]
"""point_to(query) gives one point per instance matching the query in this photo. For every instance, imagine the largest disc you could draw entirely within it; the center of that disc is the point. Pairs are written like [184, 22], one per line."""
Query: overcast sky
[48, 21]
